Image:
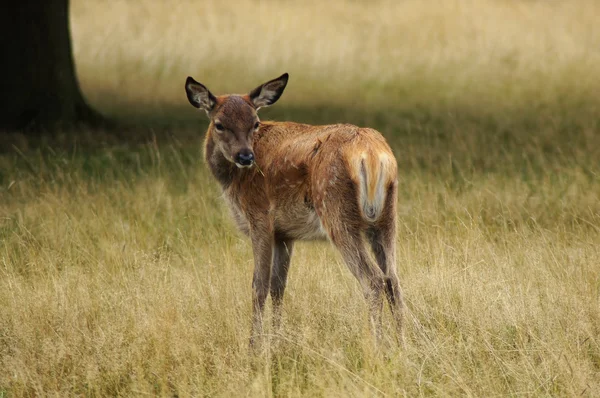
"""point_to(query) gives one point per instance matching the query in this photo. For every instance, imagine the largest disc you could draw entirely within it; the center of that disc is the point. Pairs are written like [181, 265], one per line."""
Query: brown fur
[308, 182]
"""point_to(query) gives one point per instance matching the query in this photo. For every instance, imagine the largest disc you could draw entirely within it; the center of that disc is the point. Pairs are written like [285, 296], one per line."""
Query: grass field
[121, 273]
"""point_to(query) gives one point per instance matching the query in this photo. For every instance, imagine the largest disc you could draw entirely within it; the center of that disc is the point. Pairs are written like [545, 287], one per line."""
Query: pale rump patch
[374, 172]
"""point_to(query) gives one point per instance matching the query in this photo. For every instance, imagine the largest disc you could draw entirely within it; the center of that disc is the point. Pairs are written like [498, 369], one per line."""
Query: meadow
[121, 273]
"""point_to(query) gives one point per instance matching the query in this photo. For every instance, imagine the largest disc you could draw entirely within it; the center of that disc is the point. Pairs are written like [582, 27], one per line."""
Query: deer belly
[302, 223]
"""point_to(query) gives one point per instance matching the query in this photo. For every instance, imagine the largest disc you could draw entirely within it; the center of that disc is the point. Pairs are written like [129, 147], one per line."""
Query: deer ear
[268, 93]
[199, 96]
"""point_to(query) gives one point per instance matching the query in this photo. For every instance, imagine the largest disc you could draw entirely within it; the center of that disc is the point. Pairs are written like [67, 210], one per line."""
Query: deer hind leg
[382, 238]
[351, 245]
[279, 272]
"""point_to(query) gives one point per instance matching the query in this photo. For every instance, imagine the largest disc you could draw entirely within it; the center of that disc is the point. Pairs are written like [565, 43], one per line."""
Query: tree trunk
[39, 88]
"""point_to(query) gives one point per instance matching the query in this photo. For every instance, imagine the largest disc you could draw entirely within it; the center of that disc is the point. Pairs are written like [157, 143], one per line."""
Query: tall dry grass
[121, 274]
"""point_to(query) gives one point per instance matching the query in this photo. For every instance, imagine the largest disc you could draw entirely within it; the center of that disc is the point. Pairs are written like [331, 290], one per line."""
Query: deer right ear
[199, 96]
[268, 93]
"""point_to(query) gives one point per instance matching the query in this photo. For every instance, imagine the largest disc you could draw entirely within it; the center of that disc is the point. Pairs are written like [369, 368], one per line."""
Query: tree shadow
[454, 139]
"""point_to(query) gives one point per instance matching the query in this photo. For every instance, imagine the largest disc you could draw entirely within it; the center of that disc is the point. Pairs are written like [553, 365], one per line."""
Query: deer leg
[279, 272]
[262, 247]
[383, 243]
[371, 278]
[382, 238]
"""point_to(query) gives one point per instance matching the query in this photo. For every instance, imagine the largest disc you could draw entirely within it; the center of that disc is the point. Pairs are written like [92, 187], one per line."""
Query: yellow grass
[354, 53]
[122, 275]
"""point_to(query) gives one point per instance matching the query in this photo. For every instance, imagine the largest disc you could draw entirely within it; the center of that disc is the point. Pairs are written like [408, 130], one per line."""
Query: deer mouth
[244, 166]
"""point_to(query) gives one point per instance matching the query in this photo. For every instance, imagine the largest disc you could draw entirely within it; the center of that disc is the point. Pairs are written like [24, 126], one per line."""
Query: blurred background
[479, 58]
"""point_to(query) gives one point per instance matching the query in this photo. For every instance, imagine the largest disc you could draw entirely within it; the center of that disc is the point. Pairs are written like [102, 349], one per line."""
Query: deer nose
[245, 158]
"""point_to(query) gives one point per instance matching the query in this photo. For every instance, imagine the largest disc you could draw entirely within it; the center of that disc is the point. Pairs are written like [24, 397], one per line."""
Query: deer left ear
[199, 96]
[268, 93]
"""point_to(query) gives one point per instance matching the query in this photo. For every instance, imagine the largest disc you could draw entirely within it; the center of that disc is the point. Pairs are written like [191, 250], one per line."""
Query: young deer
[287, 181]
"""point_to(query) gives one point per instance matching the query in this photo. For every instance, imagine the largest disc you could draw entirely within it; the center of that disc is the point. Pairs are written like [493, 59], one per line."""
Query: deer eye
[219, 127]
[256, 125]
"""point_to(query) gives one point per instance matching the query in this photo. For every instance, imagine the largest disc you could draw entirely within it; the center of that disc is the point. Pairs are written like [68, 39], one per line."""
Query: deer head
[234, 118]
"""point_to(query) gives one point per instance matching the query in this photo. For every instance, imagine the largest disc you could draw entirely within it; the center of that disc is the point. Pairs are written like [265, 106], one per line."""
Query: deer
[286, 181]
